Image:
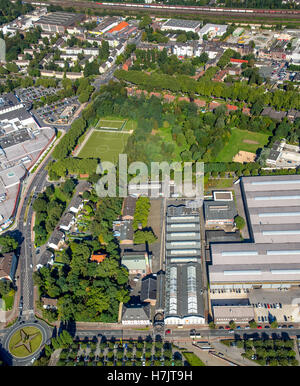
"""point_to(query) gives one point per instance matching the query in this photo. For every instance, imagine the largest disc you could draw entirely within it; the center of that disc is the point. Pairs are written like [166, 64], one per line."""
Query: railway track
[234, 13]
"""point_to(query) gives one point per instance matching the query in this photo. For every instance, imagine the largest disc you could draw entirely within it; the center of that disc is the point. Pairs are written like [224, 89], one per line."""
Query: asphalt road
[184, 335]
[14, 361]
[27, 247]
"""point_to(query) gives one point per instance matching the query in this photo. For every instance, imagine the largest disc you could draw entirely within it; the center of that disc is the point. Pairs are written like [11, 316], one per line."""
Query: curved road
[15, 361]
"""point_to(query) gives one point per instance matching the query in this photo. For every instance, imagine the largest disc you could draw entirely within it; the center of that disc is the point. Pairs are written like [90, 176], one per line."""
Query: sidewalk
[233, 354]
[207, 359]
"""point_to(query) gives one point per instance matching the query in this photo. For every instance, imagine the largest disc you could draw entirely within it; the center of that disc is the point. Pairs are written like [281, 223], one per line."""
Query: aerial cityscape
[150, 184]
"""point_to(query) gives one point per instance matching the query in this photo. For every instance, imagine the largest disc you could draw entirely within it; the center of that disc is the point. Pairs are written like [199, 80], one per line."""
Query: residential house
[56, 240]
[76, 204]
[49, 303]
[136, 262]
[67, 222]
[8, 266]
[137, 314]
[46, 258]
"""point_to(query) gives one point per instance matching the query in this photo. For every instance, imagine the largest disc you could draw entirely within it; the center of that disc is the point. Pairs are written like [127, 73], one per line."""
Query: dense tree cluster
[80, 87]
[72, 165]
[17, 43]
[141, 213]
[49, 207]
[272, 352]
[5, 287]
[69, 141]
[88, 291]
[155, 59]
[279, 99]
[10, 11]
[8, 243]
[225, 58]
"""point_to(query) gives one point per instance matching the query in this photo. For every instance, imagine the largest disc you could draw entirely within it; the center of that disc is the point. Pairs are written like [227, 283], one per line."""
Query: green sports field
[104, 145]
[112, 124]
[116, 123]
[241, 140]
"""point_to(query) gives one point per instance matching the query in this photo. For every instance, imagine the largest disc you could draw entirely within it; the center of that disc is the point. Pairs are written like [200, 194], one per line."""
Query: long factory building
[184, 302]
[271, 258]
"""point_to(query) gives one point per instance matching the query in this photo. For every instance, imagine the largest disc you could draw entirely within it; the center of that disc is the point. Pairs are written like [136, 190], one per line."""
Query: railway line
[176, 9]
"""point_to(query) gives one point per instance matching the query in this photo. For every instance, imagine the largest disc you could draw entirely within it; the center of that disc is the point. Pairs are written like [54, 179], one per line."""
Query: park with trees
[103, 352]
[267, 351]
[86, 290]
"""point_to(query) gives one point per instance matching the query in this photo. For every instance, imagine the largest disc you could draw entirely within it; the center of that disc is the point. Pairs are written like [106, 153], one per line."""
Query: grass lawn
[193, 359]
[9, 300]
[116, 123]
[110, 124]
[218, 183]
[106, 146]
[236, 143]
[130, 125]
[166, 135]
[22, 351]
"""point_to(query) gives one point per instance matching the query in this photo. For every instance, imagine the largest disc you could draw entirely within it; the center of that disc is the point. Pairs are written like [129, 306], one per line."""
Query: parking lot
[59, 112]
[283, 313]
[30, 94]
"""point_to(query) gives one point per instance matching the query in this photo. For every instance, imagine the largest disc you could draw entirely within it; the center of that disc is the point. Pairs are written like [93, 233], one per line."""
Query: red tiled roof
[238, 60]
[200, 102]
[232, 107]
[213, 105]
[98, 258]
[246, 110]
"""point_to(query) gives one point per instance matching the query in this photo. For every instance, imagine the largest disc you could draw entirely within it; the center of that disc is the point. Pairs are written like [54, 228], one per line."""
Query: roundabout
[25, 342]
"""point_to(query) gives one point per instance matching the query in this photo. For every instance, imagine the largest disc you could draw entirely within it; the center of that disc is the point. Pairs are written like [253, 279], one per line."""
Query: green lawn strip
[106, 146]
[22, 351]
[236, 143]
[192, 359]
[9, 300]
[219, 183]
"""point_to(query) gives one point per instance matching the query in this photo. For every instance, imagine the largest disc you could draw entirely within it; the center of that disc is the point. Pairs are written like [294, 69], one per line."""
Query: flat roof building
[238, 314]
[271, 258]
[136, 262]
[219, 212]
[58, 22]
[183, 25]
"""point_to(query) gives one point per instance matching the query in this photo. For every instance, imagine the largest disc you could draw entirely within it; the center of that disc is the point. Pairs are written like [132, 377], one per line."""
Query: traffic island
[25, 342]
